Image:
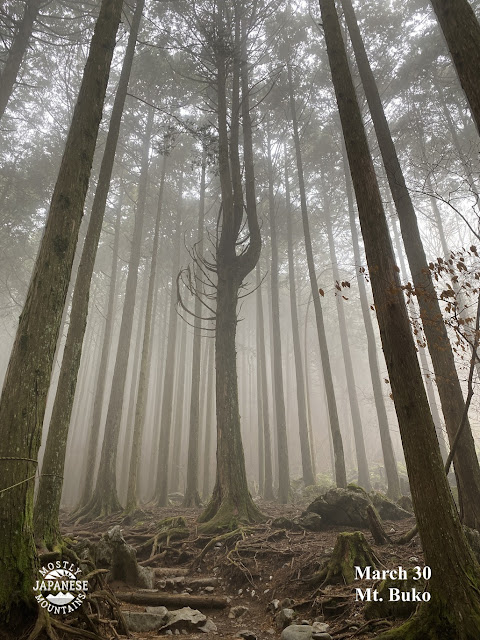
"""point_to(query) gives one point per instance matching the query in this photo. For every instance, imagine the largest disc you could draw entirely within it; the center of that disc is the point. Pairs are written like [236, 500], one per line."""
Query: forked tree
[231, 501]
[454, 609]
[24, 394]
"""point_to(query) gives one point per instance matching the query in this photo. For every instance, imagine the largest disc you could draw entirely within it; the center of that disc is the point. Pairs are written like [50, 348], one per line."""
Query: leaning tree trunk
[278, 392]
[467, 468]
[47, 529]
[363, 472]
[104, 500]
[462, 33]
[17, 51]
[307, 468]
[168, 380]
[340, 470]
[22, 404]
[142, 394]
[192, 496]
[262, 360]
[391, 471]
[454, 609]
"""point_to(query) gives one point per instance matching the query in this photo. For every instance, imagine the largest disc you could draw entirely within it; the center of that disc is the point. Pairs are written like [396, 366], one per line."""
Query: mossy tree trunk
[231, 500]
[454, 609]
[22, 404]
[47, 529]
[104, 500]
[340, 470]
[209, 426]
[467, 468]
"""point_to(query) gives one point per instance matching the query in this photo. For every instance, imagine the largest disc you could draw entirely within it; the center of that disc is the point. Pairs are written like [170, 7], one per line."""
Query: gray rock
[311, 521]
[141, 622]
[297, 632]
[238, 611]
[208, 627]
[274, 605]
[209, 589]
[320, 627]
[246, 634]
[286, 523]
[406, 503]
[387, 509]
[160, 611]
[284, 618]
[344, 507]
[184, 619]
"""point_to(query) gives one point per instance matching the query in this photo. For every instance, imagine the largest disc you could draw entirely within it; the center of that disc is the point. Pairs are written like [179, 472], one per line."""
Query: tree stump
[351, 549]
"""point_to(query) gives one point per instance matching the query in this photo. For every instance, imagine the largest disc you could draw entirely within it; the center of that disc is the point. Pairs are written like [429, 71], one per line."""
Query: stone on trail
[320, 627]
[184, 619]
[161, 611]
[284, 618]
[246, 634]
[238, 611]
[142, 622]
[297, 632]
[208, 627]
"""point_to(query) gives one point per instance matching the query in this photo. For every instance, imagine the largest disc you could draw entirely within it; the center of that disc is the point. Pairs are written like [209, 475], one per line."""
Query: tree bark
[168, 386]
[467, 469]
[307, 468]
[192, 496]
[17, 51]
[461, 29]
[104, 500]
[454, 609]
[22, 404]
[208, 461]
[340, 471]
[142, 393]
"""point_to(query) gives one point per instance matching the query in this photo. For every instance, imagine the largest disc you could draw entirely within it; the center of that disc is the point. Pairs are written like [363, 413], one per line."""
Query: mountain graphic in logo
[60, 598]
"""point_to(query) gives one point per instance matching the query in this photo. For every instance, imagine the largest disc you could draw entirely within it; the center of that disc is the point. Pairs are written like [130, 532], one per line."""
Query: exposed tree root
[230, 535]
[170, 529]
[101, 505]
[224, 515]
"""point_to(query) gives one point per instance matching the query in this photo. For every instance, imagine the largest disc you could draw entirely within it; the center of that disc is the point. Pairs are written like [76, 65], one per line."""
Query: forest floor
[253, 570]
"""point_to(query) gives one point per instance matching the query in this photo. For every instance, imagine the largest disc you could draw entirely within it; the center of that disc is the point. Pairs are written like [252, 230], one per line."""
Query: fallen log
[159, 599]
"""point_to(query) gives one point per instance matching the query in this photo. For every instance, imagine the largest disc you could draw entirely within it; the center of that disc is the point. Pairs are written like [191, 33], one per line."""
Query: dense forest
[239, 319]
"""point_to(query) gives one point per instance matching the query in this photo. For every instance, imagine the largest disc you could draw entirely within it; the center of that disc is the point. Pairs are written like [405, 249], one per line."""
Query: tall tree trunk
[281, 421]
[467, 469]
[231, 501]
[391, 471]
[17, 51]
[208, 461]
[454, 609]
[179, 411]
[262, 360]
[361, 456]
[192, 496]
[168, 386]
[104, 500]
[462, 34]
[308, 474]
[22, 403]
[340, 471]
[96, 419]
[47, 505]
[142, 393]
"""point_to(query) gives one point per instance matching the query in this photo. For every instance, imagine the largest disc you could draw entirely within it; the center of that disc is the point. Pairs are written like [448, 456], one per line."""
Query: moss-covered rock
[344, 507]
[406, 503]
[393, 608]
[387, 509]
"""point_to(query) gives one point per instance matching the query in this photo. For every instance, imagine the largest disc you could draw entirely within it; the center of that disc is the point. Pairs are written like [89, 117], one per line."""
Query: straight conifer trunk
[47, 529]
[461, 29]
[467, 468]
[454, 609]
[22, 403]
[17, 51]
[340, 470]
